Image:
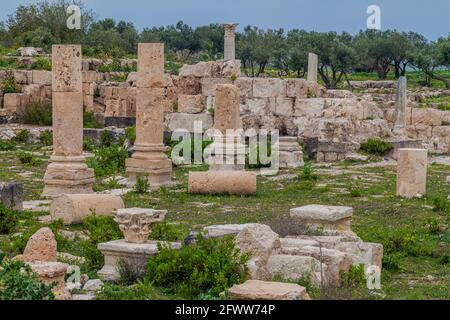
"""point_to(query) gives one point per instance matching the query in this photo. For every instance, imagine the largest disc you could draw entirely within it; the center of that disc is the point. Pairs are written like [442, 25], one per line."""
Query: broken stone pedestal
[412, 172]
[263, 290]
[291, 155]
[52, 273]
[11, 195]
[403, 143]
[134, 255]
[327, 217]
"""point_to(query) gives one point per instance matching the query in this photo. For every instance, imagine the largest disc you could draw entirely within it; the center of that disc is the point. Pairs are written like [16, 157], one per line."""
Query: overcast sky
[428, 17]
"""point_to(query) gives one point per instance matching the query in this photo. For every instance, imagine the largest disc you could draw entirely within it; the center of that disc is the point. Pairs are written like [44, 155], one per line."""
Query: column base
[67, 175]
[150, 161]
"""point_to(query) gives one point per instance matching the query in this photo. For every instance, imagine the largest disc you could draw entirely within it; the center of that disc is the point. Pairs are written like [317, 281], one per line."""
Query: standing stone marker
[11, 195]
[67, 173]
[400, 106]
[149, 157]
[412, 172]
[229, 41]
[313, 64]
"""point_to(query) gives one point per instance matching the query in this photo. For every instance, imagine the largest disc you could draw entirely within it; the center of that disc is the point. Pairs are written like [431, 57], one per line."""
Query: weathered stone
[52, 273]
[135, 255]
[226, 229]
[150, 67]
[368, 254]
[258, 240]
[230, 182]
[290, 153]
[74, 208]
[268, 87]
[191, 103]
[66, 63]
[209, 85]
[41, 246]
[15, 103]
[136, 223]
[30, 51]
[229, 41]
[11, 195]
[310, 108]
[42, 77]
[328, 217]
[412, 172]
[176, 121]
[293, 268]
[93, 285]
[261, 290]
[400, 105]
[227, 110]
[313, 64]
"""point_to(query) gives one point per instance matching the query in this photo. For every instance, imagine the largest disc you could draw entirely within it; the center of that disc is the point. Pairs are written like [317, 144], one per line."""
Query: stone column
[313, 64]
[228, 146]
[400, 106]
[67, 173]
[149, 157]
[229, 44]
[412, 172]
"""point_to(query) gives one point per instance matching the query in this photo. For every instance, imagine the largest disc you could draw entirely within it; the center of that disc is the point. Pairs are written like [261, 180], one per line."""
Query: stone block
[284, 106]
[23, 76]
[368, 254]
[150, 66]
[209, 85]
[227, 108]
[229, 182]
[186, 121]
[40, 247]
[310, 108]
[226, 229]
[90, 76]
[191, 85]
[412, 172]
[191, 103]
[74, 208]
[52, 273]
[255, 106]
[15, 102]
[199, 70]
[262, 290]
[293, 268]
[245, 85]
[268, 88]
[328, 217]
[42, 77]
[296, 88]
[66, 62]
[11, 195]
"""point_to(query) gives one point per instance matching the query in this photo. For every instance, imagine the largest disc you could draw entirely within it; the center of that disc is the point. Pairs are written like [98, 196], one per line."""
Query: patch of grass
[89, 121]
[8, 220]
[7, 145]
[38, 113]
[9, 85]
[165, 231]
[42, 63]
[22, 136]
[142, 185]
[307, 173]
[27, 158]
[108, 160]
[46, 138]
[376, 146]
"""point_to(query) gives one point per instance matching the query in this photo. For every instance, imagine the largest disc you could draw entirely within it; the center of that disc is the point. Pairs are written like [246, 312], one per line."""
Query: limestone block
[255, 106]
[23, 76]
[329, 217]
[66, 63]
[368, 254]
[209, 85]
[313, 63]
[192, 85]
[227, 108]
[340, 94]
[226, 229]
[41, 246]
[258, 240]
[310, 108]
[412, 172]
[284, 106]
[191, 103]
[174, 121]
[230, 182]
[15, 102]
[262, 290]
[226, 68]
[427, 116]
[200, 70]
[245, 85]
[42, 77]
[293, 268]
[74, 208]
[90, 76]
[11, 195]
[150, 116]
[268, 87]
[296, 88]
[150, 66]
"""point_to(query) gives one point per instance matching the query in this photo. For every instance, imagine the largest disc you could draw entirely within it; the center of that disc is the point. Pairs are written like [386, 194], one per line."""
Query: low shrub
[307, 173]
[204, 269]
[376, 146]
[9, 85]
[142, 290]
[46, 138]
[108, 160]
[89, 121]
[130, 134]
[42, 64]
[27, 158]
[165, 231]
[7, 145]
[354, 277]
[142, 185]
[22, 136]
[38, 113]
[8, 220]
[19, 282]
[441, 204]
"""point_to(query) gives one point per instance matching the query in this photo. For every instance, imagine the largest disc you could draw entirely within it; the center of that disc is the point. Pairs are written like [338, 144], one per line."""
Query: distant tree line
[44, 24]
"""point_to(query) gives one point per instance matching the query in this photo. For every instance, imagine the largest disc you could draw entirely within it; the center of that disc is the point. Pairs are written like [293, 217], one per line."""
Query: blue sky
[431, 17]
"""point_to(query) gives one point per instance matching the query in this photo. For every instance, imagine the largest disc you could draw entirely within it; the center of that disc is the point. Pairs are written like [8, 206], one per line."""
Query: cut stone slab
[93, 285]
[230, 182]
[226, 229]
[37, 205]
[328, 217]
[368, 254]
[293, 268]
[412, 172]
[83, 297]
[11, 195]
[134, 254]
[263, 290]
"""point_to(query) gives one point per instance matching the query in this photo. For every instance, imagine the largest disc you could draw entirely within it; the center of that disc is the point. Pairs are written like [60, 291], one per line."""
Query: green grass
[415, 235]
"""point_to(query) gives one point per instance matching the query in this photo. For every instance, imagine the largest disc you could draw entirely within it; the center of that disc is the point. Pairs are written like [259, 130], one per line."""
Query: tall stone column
[229, 41]
[313, 65]
[149, 157]
[400, 106]
[67, 173]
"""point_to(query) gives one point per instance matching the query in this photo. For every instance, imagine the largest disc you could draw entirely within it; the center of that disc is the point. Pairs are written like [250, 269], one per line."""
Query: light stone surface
[66, 68]
[226, 229]
[229, 41]
[263, 290]
[329, 217]
[292, 268]
[74, 208]
[227, 108]
[400, 105]
[150, 68]
[136, 223]
[313, 64]
[41, 247]
[412, 172]
[290, 153]
[230, 182]
[52, 273]
[134, 254]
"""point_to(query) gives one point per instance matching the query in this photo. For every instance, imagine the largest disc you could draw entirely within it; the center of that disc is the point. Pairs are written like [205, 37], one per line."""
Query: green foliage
[7, 145]
[391, 262]
[130, 134]
[354, 277]
[42, 64]
[27, 158]
[206, 268]
[376, 146]
[307, 173]
[46, 138]
[8, 219]
[355, 189]
[22, 136]
[108, 160]
[119, 77]
[18, 282]
[89, 121]
[256, 149]
[9, 85]
[88, 144]
[115, 66]
[165, 231]
[142, 185]
[441, 204]
[38, 113]
[142, 290]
